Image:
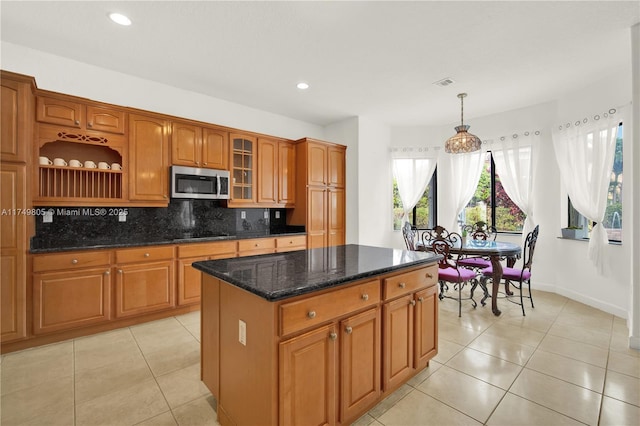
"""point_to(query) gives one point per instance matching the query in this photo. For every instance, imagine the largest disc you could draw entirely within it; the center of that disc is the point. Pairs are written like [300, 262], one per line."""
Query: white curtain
[412, 169]
[514, 159]
[460, 178]
[584, 151]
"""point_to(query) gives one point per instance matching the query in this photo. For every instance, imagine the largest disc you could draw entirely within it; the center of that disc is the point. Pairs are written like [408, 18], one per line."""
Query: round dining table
[494, 251]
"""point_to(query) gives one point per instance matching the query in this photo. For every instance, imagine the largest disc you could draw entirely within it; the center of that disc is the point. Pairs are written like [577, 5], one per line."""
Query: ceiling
[373, 59]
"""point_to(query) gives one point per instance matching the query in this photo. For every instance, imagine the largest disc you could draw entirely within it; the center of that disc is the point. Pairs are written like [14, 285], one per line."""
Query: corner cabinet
[320, 193]
[149, 160]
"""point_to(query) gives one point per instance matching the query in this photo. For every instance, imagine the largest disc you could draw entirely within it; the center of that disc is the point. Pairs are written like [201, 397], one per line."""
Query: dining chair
[409, 235]
[441, 241]
[479, 231]
[518, 276]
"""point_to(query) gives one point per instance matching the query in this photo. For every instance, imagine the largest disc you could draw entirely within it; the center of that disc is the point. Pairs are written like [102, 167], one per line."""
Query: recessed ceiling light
[119, 18]
[302, 86]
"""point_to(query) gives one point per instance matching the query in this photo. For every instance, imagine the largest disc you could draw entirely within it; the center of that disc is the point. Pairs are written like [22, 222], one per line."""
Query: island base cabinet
[426, 327]
[308, 378]
[144, 288]
[398, 342]
[65, 300]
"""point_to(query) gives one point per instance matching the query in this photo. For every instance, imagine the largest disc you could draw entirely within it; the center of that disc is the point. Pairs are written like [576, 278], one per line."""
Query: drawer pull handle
[402, 285]
[257, 245]
[421, 299]
[412, 303]
[365, 297]
[311, 314]
[74, 261]
[146, 255]
[333, 335]
[348, 330]
[429, 275]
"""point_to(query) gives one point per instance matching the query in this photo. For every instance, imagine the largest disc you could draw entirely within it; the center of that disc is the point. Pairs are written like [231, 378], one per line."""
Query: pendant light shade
[462, 141]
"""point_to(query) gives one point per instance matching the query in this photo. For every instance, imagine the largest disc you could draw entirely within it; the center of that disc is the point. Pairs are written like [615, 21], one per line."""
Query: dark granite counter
[282, 275]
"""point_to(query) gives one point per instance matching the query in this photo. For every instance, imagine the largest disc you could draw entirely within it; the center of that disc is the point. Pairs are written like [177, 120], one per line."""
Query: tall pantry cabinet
[18, 106]
[320, 192]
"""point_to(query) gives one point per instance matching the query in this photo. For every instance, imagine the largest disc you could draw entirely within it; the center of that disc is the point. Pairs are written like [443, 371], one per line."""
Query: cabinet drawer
[295, 241]
[409, 281]
[61, 261]
[256, 244]
[314, 310]
[207, 249]
[144, 254]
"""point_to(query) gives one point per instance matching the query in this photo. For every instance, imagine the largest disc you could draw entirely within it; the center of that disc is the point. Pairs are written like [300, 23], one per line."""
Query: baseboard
[578, 297]
[634, 342]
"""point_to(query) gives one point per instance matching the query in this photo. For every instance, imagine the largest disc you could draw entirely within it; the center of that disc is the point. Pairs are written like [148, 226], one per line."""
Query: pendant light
[462, 141]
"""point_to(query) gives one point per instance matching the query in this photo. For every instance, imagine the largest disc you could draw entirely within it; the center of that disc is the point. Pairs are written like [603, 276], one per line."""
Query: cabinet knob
[119, 271]
[365, 297]
[311, 314]
[412, 303]
[77, 122]
[164, 196]
[402, 285]
[146, 255]
[420, 299]
[348, 330]
[257, 245]
[429, 275]
[333, 335]
[197, 163]
[74, 261]
[107, 272]
[89, 124]
[205, 163]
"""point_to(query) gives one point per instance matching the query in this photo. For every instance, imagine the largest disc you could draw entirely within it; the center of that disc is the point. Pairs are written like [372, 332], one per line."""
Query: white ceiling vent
[444, 82]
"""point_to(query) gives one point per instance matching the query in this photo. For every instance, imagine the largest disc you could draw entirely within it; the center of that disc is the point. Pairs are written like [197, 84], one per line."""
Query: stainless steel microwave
[193, 182]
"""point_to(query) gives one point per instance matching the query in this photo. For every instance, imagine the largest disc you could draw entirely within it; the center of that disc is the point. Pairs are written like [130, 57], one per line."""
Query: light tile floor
[564, 363]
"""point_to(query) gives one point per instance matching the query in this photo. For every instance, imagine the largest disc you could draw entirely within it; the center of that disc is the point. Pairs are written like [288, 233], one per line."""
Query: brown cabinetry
[149, 160]
[243, 151]
[254, 246]
[197, 146]
[71, 113]
[71, 290]
[276, 173]
[144, 280]
[321, 203]
[295, 242]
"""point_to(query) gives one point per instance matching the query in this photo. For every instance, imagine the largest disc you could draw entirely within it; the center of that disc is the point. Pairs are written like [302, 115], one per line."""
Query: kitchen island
[315, 336]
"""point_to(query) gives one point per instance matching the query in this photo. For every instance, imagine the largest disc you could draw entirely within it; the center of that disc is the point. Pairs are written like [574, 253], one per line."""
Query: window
[613, 214]
[506, 216]
[423, 215]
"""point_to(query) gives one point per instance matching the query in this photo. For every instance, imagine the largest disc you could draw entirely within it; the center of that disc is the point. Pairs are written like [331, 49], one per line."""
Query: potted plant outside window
[574, 233]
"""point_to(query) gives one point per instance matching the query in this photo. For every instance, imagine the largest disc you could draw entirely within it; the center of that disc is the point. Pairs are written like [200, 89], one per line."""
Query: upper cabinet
[17, 117]
[75, 114]
[276, 173]
[325, 164]
[196, 146]
[243, 152]
[149, 160]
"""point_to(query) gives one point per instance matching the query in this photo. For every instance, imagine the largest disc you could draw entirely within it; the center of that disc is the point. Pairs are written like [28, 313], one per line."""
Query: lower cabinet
[144, 287]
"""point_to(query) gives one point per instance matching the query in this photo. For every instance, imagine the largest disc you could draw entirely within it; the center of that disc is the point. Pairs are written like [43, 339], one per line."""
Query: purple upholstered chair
[481, 232]
[440, 241]
[518, 277]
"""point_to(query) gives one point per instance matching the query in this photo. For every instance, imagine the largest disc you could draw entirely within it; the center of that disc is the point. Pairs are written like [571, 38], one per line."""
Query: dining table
[495, 251]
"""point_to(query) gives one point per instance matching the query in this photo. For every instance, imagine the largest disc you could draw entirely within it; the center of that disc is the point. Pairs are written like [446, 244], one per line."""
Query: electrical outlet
[242, 332]
[122, 217]
[243, 214]
[277, 214]
[47, 217]
[266, 214]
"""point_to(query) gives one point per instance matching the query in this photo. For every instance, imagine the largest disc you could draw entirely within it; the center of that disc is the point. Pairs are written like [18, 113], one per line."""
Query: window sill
[613, 243]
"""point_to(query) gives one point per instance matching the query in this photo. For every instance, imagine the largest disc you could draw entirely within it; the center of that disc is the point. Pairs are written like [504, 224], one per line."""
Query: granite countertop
[111, 242]
[283, 275]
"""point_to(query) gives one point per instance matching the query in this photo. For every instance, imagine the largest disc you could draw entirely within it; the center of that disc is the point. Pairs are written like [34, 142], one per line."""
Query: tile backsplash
[89, 226]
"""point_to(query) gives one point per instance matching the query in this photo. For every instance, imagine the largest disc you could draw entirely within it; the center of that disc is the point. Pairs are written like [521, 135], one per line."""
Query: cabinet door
[316, 217]
[243, 149]
[189, 281]
[267, 171]
[286, 174]
[426, 327]
[105, 119]
[149, 159]
[186, 141]
[12, 252]
[336, 214]
[57, 111]
[316, 164]
[144, 287]
[359, 363]
[398, 341]
[308, 378]
[64, 300]
[15, 121]
[336, 166]
[215, 149]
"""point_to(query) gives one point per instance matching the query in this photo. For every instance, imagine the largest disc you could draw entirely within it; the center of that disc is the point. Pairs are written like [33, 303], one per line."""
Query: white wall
[59, 74]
